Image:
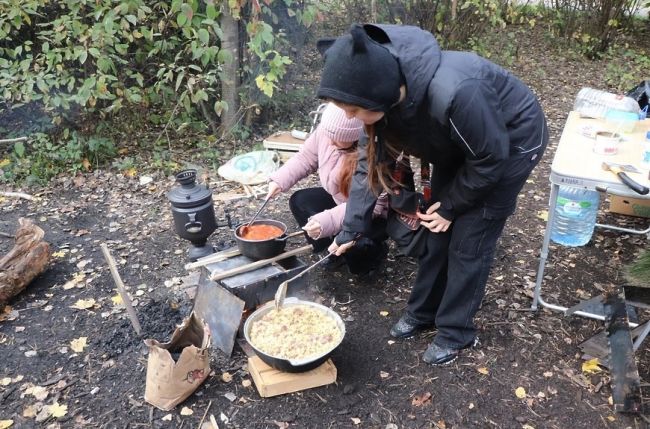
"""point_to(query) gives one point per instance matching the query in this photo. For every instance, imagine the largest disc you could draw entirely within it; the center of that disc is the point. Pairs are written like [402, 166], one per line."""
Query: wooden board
[271, 382]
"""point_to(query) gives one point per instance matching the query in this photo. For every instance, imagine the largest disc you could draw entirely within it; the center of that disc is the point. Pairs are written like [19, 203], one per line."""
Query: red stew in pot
[260, 232]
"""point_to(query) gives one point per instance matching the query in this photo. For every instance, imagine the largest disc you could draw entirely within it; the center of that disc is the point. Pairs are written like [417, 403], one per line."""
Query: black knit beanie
[360, 71]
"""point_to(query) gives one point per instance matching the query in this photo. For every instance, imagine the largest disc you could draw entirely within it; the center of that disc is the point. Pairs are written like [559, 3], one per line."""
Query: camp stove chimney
[193, 213]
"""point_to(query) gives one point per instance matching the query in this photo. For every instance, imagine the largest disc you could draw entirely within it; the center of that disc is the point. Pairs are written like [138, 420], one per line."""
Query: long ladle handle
[281, 292]
[266, 200]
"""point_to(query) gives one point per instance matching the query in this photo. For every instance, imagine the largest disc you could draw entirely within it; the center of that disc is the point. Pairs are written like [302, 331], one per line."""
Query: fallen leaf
[5, 381]
[527, 427]
[441, 424]
[590, 366]
[167, 418]
[548, 374]
[84, 304]
[384, 374]
[76, 279]
[391, 342]
[611, 418]
[57, 410]
[543, 215]
[186, 411]
[383, 313]
[29, 412]
[39, 392]
[281, 425]
[355, 420]
[520, 392]
[483, 370]
[471, 406]
[419, 400]
[226, 377]
[246, 383]
[131, 172]
[117, 299]
[4, 162]
[59, 254]
[79, 344]
[4, 424]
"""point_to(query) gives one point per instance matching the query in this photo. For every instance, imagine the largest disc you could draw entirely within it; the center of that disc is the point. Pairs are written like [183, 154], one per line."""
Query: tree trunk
[230, 79]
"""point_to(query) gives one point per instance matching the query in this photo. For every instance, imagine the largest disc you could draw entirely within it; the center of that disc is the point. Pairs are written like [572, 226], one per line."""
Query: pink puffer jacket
[319, 154]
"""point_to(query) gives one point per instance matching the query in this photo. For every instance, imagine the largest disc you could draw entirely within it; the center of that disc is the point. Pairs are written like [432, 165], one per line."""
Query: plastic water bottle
[575, 216]
[595, 103]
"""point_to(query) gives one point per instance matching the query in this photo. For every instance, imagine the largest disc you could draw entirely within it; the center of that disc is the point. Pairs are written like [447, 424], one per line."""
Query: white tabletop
[575, 163]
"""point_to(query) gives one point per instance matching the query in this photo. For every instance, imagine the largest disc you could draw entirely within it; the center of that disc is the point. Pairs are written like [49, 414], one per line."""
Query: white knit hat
[335, 124]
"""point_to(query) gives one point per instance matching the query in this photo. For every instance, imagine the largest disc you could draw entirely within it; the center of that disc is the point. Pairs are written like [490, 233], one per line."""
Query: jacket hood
[418, 54]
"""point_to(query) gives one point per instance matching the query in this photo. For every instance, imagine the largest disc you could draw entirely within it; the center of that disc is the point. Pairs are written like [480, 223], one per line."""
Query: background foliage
[89, 81]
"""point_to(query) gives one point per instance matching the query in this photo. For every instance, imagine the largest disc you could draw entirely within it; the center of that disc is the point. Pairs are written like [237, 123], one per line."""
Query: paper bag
[170, 382]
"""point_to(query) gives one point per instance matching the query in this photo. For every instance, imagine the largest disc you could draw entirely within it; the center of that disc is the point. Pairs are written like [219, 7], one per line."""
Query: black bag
[641, 93]
[409, 241]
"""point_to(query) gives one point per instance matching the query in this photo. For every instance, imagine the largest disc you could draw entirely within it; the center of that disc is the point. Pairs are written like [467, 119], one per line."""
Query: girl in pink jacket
[331, 150]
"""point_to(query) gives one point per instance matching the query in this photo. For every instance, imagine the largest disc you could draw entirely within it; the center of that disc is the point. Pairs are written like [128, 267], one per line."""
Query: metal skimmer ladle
[281, 293]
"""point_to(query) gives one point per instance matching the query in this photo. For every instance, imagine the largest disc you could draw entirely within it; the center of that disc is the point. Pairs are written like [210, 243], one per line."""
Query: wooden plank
[272, 382]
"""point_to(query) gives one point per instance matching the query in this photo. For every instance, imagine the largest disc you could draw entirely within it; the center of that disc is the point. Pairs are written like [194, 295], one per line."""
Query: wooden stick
[4, 234]
[204, 414]
[260, 263]
[17, 195]
[211, 259]
[16, 140]
[130, 311]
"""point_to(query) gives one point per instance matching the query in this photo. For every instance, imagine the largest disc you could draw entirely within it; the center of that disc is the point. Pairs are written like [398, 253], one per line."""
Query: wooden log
[25, 261]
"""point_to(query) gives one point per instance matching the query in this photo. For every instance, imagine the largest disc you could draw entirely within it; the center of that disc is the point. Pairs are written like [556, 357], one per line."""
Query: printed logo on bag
[194, 375]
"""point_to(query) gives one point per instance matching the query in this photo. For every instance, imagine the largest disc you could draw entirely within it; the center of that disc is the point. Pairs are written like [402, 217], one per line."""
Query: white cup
[606, 143]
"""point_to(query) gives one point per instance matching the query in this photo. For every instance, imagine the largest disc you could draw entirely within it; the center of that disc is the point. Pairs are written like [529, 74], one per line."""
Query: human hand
[432, 220]
[339, 250]
[313, 228]
[274, 189]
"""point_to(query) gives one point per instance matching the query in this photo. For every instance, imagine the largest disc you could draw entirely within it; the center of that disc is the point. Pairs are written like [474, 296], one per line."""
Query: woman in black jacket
[482, 130]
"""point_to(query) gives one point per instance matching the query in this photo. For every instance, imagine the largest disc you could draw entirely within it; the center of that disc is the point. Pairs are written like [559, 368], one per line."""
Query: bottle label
[571, 207]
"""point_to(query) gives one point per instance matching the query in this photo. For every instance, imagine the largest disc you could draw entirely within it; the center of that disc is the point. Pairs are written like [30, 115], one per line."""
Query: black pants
[364, 254]
[454, 266]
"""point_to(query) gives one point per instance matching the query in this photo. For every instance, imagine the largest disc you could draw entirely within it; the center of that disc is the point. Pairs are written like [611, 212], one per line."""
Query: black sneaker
[407, 326]
[437, 355]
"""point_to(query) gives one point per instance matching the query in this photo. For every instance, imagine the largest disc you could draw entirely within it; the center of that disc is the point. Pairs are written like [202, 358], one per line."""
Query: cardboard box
[629, 206]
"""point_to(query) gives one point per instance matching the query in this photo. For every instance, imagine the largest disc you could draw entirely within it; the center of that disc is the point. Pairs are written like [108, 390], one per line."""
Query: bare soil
[381, 383]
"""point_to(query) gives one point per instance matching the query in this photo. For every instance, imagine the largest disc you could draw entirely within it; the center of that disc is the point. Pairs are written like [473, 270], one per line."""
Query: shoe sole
[414, 333]
[449, 362]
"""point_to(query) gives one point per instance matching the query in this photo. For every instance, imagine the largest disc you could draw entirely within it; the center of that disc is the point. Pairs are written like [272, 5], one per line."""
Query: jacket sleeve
[330, 220]
[300, 165]
[360, 205]
[477, 126]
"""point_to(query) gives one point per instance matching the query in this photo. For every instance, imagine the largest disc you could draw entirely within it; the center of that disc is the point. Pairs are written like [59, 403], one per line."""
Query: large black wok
[292, 365]
[263, 249]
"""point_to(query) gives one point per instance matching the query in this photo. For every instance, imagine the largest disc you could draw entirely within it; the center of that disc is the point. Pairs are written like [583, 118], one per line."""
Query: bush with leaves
[84, 60]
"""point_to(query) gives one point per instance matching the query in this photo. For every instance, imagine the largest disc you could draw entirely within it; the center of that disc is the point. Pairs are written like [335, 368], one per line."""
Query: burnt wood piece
[626, 391]
[27, 259]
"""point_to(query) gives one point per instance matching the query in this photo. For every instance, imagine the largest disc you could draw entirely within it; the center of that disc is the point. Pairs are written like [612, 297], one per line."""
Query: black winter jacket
[478, 125]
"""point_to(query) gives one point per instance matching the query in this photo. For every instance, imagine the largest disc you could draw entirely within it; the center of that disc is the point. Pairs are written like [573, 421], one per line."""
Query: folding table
[576, 164]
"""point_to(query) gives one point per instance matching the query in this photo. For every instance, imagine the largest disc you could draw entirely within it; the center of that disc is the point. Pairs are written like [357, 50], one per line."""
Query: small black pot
[262, 249]
[291, 365]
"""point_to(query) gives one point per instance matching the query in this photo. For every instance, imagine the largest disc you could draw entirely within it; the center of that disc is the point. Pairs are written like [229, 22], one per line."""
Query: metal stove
[222, 303]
